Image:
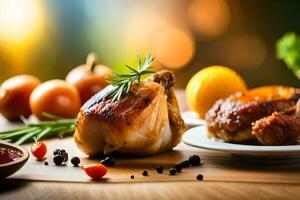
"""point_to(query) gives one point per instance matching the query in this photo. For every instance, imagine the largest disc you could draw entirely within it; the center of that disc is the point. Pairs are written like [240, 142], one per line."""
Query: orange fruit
[210, 84]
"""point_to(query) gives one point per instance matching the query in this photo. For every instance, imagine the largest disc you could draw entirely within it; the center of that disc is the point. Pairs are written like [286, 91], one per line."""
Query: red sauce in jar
[9, 155]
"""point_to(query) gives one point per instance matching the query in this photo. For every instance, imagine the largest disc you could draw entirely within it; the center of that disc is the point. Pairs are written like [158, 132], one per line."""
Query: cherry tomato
[39, 150]
[14, 96]
[89, 78]
[56, 97]
[95, 171]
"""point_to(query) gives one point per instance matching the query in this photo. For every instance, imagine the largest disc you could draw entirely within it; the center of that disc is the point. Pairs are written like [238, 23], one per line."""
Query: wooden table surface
[269, 185]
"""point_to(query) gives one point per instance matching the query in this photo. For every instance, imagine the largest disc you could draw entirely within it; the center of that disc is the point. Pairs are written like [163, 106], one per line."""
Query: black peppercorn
[145, 173]
[199, 177]
[56, 151]
[65, 155]
[195, 160]
[75, 161]
[178, 167]
[159, 169]
[185, 164]
[172, 171]
[58, 159]
[109, 161]
[61, 152]
[46, 163]
[132, 176]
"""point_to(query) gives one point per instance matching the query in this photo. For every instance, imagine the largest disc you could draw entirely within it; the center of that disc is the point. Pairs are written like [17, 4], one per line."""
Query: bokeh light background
[48, 38]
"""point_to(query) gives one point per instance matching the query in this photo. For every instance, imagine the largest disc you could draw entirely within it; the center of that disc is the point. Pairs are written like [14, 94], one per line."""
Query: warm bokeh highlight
[49, 38]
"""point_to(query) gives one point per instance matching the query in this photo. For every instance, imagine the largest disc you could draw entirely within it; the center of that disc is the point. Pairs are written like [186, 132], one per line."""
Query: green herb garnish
[36, 131]
[123, 81]
[288, 50]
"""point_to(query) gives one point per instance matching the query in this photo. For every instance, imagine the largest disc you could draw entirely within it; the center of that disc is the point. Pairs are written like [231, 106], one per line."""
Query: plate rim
[238, 148]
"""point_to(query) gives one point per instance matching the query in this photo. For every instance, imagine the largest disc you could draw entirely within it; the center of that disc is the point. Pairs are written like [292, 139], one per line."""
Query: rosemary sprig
[36, 131]
[123, 81]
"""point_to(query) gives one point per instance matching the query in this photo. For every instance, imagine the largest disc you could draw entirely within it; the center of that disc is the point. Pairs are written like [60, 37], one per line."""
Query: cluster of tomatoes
[24, 95]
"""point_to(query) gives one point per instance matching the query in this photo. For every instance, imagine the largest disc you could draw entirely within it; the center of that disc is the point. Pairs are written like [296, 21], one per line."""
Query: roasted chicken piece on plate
[279, 128]
[145, 121]
[230, 119]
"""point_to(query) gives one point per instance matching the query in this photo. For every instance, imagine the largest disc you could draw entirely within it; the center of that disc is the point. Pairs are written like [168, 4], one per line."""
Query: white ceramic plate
[191, 118]
[198, 137]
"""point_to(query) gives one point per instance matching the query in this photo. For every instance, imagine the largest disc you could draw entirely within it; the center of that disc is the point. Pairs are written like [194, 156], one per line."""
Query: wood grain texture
[224, 178]
[217, 166]
[146, 191]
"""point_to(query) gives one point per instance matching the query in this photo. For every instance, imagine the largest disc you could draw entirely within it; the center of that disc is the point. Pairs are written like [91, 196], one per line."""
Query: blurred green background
[48, 38]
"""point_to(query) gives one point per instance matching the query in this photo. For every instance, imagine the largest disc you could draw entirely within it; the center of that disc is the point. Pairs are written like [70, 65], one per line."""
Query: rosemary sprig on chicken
[122, 82]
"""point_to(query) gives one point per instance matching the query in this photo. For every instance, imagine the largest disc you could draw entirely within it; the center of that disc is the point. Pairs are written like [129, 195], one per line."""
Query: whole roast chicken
[145, 121]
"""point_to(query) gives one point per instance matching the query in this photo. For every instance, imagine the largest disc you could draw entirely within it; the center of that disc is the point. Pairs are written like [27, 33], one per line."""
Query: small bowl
[10, 168]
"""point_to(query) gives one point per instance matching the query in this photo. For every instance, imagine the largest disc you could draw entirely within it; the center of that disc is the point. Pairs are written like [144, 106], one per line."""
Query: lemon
[210, 84]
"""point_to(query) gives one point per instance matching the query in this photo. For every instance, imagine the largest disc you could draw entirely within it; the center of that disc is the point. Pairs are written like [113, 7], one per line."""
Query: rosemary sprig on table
[36, 131]
[123, 81]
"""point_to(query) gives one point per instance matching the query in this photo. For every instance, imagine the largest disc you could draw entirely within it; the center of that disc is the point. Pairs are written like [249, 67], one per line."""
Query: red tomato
[14, 96]
[95, 171]
[39, 150]
[56, 97]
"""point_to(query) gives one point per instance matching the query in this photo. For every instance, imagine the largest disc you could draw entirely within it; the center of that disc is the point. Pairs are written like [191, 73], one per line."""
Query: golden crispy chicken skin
[137, 124]
[231, 118]
[167, 79]
[277, 129]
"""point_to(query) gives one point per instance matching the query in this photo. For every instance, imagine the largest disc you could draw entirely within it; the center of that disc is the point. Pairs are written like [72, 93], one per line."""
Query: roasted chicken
[230, 119]
[145, 121]
[279, 128]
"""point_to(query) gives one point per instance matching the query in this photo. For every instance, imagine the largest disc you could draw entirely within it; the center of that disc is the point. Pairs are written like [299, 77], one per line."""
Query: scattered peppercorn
[109, 161]
[56, 151]
[199, 177]
[178, 167]
[145, 173]
[46, 163]
[61, 152]
[66, 156]
[185, 164]
[58, 159]
[195, 160]
[132, 176]
[172, 171]
[75, 161]
[159, 169]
